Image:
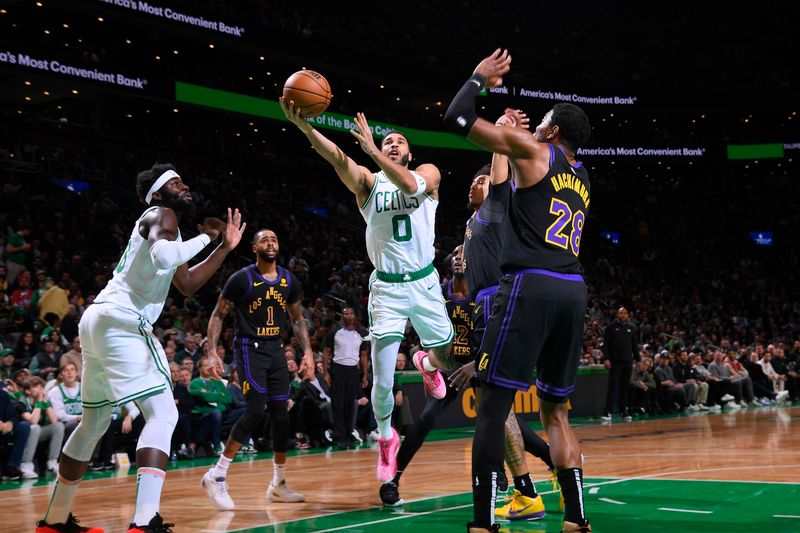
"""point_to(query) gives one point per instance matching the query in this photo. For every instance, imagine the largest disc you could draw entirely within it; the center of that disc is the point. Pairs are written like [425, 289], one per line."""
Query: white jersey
[137, 284]
[400, 228]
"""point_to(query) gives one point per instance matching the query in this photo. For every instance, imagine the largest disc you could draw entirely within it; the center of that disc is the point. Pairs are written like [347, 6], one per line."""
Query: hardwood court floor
[723, 472]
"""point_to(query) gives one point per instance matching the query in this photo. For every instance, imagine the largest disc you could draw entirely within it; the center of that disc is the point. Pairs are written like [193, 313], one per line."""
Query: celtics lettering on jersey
[400, 228]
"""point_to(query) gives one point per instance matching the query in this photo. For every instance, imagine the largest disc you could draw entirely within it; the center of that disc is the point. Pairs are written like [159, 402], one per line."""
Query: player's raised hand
[234, 230]
[292, 112]
[494, 67]
[364, 135]
[515, 118]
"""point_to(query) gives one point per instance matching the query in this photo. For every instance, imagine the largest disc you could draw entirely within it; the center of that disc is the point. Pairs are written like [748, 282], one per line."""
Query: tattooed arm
[300, 329]
[222, 309]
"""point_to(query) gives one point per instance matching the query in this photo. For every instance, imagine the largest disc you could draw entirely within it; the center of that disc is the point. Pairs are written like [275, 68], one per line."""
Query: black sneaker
[390, 496]
[70, 526]
[12, 472]
[95, 466]
[502, 481]
[156, 525]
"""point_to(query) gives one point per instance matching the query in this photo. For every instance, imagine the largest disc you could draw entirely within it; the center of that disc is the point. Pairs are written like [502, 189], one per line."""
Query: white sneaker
[715, 408]
[743, 403]
[726, 398]
[28, 471]
[52, 465]
[733, 405]
[702, 407]
[781, 396]
[373, 435]
[358, 438]
[217, 490]
[756, 403]
[693, 407]
[284, 493]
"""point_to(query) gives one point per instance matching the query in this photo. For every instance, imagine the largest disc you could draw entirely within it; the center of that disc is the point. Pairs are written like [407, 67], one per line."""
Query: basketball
[309, 91]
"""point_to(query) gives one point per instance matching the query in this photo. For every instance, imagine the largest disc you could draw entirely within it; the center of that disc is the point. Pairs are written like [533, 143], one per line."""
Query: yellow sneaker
[521, 507]
[557, 488]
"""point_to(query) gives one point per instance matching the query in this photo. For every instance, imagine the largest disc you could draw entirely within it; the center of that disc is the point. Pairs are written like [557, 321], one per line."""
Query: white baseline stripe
[785, 516]
[683, 510]
[609, 500]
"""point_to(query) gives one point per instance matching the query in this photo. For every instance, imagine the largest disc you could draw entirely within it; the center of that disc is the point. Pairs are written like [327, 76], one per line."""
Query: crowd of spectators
[693, 299]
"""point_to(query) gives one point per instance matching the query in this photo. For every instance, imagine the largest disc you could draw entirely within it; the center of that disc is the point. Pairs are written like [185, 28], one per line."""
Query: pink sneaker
[434, 384]
[387, 457]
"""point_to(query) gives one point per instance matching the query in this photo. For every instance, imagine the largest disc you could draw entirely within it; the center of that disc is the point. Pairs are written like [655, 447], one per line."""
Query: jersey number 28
[556, 233]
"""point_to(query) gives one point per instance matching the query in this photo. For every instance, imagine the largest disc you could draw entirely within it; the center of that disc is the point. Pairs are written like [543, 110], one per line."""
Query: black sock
[396, 478]
[571, 481]
[524, 485]
[484, 489]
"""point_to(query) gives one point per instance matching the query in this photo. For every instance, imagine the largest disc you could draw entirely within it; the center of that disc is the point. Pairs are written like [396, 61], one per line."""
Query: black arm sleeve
[461, 113]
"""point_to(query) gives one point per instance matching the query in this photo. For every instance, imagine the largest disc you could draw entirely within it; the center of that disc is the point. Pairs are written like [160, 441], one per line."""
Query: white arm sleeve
[170, 254]
[132, 410]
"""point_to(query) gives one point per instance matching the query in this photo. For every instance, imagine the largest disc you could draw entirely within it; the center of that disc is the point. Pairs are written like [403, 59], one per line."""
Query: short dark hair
[399, 133]
[573, 125]
[259, 231]
[146, 178]
[485, 170]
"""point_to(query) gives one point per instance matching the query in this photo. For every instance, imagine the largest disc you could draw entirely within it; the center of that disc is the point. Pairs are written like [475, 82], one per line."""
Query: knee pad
[245, 426]
[93, 425]
[280, 425]
[161, 417]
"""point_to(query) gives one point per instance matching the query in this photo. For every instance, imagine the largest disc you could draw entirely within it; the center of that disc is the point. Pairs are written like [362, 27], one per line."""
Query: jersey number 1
[555, 233]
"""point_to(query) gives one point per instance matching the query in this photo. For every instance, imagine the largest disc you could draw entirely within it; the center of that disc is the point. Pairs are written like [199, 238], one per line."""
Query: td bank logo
[524, 402]
[483, 364]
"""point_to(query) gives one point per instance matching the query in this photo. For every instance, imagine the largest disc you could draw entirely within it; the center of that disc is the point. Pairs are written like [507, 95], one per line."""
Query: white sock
[149, 482]
[426, 364]
[384, 357]
[278, 473]
[61, 501]
[221, 470]
[384, 427]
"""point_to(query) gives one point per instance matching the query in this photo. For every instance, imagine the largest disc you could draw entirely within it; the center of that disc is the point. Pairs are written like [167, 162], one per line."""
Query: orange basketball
[309, 91]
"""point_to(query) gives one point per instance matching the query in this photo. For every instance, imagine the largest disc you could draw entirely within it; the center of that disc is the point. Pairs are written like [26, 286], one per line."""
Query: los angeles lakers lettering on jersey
[137, 284]
[400, 228]
[260, 304]
[460, 313]
[546, 220]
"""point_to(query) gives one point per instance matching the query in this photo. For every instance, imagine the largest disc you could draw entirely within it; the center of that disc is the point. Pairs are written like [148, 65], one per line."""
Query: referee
[620, 350]
[343, 350]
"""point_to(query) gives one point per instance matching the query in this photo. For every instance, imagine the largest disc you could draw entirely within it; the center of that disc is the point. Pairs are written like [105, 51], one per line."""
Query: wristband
[40, 405]
[461, 113]
[422, 185]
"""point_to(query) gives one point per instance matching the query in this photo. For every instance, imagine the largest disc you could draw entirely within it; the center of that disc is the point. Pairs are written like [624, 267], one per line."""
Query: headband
[160, 182]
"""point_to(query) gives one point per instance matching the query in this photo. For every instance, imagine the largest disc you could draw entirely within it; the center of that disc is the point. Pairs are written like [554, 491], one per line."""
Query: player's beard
[180, 205]
[266, 258]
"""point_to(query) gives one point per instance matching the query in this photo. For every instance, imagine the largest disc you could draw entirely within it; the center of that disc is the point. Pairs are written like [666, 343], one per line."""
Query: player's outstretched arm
[514, 142]
[398, 174]
[189, 280]
[356, 178]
